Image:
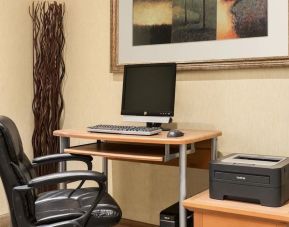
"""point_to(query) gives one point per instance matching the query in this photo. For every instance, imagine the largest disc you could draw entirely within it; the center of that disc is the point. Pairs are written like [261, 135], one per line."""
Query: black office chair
[78, 207]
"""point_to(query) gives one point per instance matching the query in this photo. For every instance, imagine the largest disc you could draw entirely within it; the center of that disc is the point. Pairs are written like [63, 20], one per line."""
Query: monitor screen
[149, 90]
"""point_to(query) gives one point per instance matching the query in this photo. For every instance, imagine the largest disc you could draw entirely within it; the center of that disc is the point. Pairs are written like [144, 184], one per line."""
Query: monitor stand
[152, 124]
[164, 126]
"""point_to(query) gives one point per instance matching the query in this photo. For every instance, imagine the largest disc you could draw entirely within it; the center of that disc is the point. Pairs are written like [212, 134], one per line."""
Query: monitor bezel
[126, 67]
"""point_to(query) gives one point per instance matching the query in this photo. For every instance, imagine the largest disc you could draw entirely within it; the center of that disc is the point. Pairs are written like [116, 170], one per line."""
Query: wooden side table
[217, 213]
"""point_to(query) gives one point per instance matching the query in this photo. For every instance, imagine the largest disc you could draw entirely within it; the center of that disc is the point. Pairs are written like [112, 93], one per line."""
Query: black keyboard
[127, 130]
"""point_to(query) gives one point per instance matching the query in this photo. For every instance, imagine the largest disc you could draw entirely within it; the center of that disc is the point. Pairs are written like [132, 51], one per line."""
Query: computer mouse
[175, 133]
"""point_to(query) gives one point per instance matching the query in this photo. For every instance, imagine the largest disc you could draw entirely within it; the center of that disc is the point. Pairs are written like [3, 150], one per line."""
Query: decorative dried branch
[48, 74]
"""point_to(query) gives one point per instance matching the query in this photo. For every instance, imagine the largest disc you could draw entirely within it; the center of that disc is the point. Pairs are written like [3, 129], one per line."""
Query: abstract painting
[177, 21]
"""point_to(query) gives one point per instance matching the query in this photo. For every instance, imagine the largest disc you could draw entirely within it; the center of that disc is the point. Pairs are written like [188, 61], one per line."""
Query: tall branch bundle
[48, 74]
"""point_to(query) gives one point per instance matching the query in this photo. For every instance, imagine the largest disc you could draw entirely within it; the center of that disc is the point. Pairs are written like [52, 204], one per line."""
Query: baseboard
[5, 220]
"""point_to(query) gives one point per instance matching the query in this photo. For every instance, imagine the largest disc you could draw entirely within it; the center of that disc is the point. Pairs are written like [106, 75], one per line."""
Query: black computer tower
[169, 217]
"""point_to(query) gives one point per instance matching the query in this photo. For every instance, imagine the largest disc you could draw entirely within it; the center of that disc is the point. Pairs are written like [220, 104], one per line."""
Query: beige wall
[16, 72]
[249, 106]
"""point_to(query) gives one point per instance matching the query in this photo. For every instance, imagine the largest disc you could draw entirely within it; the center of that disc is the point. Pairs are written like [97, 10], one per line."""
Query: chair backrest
[15, 170]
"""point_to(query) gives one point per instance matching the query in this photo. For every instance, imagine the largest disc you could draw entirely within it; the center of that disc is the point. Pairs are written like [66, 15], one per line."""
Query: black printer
[250, 178]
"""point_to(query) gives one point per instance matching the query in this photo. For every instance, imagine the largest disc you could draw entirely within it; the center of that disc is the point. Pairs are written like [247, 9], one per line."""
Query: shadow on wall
[233, 74]
[244, 74]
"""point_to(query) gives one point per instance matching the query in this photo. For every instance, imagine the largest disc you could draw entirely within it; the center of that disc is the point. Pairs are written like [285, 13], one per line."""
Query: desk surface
[191, 136]
[202, 201]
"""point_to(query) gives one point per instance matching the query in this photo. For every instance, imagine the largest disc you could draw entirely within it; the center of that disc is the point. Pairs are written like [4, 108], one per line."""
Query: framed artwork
[200, 34]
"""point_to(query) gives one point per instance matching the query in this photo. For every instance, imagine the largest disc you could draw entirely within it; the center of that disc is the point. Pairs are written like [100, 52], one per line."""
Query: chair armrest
[56, 178]
[62, 177]
[70, 176]
[62, 157]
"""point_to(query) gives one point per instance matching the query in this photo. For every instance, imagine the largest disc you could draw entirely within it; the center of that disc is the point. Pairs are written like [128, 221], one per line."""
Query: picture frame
[218, 64]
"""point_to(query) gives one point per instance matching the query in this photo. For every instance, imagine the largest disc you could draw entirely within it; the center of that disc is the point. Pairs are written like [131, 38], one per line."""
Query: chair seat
[56, 206]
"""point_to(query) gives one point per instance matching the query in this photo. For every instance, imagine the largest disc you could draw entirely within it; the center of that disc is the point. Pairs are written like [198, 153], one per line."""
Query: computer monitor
[149, 92]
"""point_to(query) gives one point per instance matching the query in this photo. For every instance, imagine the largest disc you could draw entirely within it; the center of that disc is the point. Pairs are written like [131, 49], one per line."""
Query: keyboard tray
[123, 151]
[145, 153]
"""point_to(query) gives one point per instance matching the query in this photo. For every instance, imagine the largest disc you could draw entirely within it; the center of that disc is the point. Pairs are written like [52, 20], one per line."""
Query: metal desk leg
[105, 169]
[64, 143]
[104, 164]
[214, 149]
[183, 184]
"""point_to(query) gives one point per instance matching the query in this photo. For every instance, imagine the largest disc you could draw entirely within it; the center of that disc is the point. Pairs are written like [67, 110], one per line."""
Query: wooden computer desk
[194, 149]
[216, 213]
